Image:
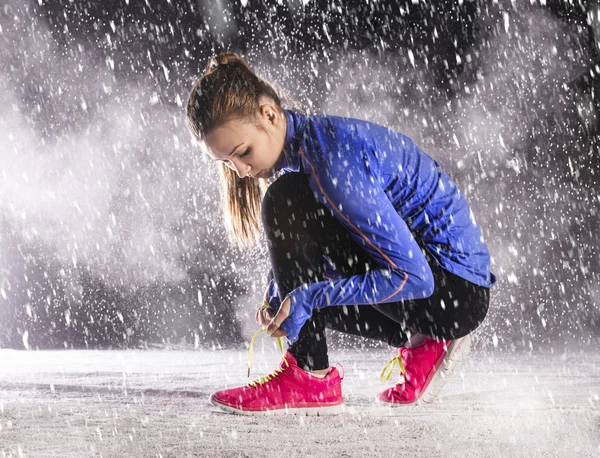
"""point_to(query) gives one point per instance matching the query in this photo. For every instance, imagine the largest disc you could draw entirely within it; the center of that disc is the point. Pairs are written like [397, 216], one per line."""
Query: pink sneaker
[425, 369]
[288, 390]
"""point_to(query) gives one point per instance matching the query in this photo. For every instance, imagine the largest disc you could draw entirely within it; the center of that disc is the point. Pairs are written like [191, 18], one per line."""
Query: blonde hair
[228, 89]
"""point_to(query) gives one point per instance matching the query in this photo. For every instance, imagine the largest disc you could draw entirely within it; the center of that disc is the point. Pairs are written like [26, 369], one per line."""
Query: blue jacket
[386, 192]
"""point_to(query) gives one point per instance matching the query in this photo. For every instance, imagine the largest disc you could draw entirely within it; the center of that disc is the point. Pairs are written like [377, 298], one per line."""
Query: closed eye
[245, 153]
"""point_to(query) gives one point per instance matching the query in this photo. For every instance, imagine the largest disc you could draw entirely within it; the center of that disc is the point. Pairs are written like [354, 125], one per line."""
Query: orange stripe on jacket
[350, 223]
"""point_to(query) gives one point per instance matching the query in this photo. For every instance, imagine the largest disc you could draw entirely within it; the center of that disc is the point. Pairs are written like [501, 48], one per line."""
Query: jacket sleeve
[345, 182]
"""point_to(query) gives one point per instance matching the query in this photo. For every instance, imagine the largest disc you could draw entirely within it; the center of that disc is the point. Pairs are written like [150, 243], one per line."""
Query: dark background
[110, 233]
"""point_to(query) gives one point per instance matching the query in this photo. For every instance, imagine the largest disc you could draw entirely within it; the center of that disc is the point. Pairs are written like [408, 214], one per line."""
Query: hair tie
[213, 64]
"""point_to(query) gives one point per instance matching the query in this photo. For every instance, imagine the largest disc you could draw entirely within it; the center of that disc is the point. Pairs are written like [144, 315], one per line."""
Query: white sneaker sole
[304, 411]
[457, 351]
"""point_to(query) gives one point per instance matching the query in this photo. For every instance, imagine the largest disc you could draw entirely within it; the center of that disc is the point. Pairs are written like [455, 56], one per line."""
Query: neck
[282, 132]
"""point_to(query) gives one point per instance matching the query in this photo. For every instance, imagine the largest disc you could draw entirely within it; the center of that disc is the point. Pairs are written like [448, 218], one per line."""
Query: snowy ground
[154, 403]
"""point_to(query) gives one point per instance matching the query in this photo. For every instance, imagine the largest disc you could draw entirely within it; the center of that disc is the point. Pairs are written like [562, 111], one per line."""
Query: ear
[270, 113]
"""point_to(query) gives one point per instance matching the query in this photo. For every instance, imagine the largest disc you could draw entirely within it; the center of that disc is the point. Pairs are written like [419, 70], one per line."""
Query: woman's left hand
[274, 329]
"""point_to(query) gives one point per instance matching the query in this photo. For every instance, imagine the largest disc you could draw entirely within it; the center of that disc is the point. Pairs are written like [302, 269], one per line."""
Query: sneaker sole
[457, 351]
[304, 411]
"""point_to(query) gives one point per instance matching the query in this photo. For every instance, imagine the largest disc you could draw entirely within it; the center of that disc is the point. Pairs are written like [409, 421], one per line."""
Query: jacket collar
[290, 158]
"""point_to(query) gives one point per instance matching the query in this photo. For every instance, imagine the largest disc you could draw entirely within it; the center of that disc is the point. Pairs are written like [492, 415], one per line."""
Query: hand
[264, 315]
[274, 329]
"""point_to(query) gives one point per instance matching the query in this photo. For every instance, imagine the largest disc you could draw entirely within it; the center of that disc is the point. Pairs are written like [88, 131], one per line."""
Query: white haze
[113, 177]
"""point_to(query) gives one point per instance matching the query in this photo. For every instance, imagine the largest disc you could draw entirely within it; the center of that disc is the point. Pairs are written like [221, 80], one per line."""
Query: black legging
[300, 231]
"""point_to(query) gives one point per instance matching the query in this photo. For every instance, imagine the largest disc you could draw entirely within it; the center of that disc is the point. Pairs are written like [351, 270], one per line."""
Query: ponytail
[228, 89]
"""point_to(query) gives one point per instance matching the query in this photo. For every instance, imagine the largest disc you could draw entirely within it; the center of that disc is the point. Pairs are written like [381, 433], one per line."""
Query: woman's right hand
[264, 315]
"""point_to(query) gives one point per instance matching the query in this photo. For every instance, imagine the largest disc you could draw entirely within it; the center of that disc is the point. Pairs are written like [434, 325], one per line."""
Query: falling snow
[111, 237]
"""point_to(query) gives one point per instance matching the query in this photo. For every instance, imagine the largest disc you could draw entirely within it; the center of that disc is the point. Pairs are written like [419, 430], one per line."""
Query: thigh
[456, 307]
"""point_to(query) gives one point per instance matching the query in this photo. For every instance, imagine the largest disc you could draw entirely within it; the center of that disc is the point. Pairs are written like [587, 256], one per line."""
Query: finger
[275, 323]
[279, 333]
[265, 318]
[271, 328]
[279, 317]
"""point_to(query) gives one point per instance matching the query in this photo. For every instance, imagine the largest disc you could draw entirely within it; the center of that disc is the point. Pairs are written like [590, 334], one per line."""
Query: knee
[428, 284]
[285, 193]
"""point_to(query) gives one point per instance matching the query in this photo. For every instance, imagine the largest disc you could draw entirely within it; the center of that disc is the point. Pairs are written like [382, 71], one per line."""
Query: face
[251, 148]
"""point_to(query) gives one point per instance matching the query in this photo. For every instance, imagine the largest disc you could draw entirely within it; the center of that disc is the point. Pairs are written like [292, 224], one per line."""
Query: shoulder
[336, 136]
[339, 126]
[351, 132]
[338, 154]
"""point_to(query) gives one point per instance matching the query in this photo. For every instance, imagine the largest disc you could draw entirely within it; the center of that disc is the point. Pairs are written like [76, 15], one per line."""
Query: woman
[367, 235]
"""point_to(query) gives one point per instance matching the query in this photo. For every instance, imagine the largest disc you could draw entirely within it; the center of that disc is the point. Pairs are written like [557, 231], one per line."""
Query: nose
[241, 168]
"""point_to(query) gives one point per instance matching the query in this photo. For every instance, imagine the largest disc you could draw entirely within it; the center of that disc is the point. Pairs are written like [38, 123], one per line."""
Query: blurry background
[110, 231]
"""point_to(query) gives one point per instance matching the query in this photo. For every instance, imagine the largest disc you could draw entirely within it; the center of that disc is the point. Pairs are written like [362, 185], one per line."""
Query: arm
[271, 302]
[272, 299]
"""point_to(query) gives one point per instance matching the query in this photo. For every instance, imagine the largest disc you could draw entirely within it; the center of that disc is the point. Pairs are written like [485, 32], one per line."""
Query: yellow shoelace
[250, 350]
[388, 370]
[267, 378]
